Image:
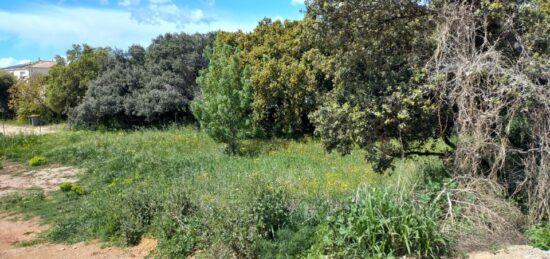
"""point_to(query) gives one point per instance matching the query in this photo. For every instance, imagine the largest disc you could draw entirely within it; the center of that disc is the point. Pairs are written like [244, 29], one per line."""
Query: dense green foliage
[145, 86]
[377, 51]
[27, 98]
[286, 84]
[224, 110]
[179, 186]
[68, 80]
[466, 81]
[6, 81]
[539, 236]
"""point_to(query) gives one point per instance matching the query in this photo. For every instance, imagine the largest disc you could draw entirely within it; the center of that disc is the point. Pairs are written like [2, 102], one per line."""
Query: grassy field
[179, 186]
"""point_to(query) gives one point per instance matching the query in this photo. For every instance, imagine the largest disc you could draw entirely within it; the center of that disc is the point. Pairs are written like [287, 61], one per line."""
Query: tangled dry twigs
[485, 217]
[501, 112]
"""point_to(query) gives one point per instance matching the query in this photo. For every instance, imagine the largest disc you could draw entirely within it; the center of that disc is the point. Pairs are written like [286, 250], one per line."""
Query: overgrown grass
[179, 186]
[539, 235]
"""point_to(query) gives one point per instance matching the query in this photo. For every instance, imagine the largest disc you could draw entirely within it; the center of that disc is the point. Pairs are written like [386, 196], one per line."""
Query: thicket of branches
[500, 107]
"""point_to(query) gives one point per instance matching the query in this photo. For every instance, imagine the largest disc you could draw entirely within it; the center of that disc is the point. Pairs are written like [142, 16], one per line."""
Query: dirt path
[10, 130]
[16, 177]
[513, 252]
[15, 230]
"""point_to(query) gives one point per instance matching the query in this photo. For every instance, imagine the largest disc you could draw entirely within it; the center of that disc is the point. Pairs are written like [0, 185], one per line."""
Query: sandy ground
[16, 177]
[11, 130]
[513, 252]
[15, 230]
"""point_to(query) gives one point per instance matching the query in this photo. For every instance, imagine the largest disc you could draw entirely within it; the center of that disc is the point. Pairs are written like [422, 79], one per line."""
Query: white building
[25, 71]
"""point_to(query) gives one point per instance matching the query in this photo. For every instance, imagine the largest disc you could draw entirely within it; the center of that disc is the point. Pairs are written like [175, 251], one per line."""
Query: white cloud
[9, 61]
[167, 11]
[104, 2]
[55, 27]
[128, 3]
[297, 2]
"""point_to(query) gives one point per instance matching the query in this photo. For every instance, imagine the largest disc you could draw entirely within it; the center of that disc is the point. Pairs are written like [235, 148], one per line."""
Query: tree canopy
[27, 98]
[145, 85]
[224, 109]
[68, 80]
[286, 84]
[7, 80]
[377, 51]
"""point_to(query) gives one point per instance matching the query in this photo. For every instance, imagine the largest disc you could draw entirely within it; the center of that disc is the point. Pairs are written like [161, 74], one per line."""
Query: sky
[30, 30]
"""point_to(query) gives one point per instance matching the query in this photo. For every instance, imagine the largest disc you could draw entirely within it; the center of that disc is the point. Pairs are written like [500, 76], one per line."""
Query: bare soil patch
[513, 252]
[14, 230]
[16, 177]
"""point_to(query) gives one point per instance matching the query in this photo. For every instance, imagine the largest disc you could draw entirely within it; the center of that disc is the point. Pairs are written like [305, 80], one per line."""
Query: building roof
[36, 64]
[17, 66]
[43, 64]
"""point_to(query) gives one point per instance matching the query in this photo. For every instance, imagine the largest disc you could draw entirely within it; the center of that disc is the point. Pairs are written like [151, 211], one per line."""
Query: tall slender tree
[224, 109]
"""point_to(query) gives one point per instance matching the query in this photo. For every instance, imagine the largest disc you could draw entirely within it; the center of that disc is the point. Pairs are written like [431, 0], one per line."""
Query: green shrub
[179, 229]
[136, 212]
[70, 188]
[79, 190]
[246, 225]
[38, 161]
[66, 186]
[539, 236]
[380, 223]
[271, 210]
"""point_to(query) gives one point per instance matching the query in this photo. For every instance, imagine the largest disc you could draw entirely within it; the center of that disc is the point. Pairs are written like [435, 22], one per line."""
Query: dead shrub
[501, 113]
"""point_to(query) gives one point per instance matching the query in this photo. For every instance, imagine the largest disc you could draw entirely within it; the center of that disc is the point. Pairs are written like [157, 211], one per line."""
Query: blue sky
[44, 28]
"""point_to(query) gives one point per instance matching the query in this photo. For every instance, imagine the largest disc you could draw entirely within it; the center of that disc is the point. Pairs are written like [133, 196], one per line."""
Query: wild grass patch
[179, 186]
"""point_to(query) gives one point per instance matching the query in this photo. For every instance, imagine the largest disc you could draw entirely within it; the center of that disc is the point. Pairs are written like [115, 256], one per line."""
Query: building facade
[24, 71]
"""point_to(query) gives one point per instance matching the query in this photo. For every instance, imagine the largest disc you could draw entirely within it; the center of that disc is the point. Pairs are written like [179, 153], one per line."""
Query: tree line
[385, 76]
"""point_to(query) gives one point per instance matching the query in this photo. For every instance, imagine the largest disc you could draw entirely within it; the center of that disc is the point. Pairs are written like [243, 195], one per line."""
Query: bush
[249, 227]
[145, 86]
[70, 188]
[383, 223]
[69, 78]
[271, 210]
[135, 214]
[38, 161]
[179, 228]
[27, 98]
[7, 80]
[539, 236]
[66, 186]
